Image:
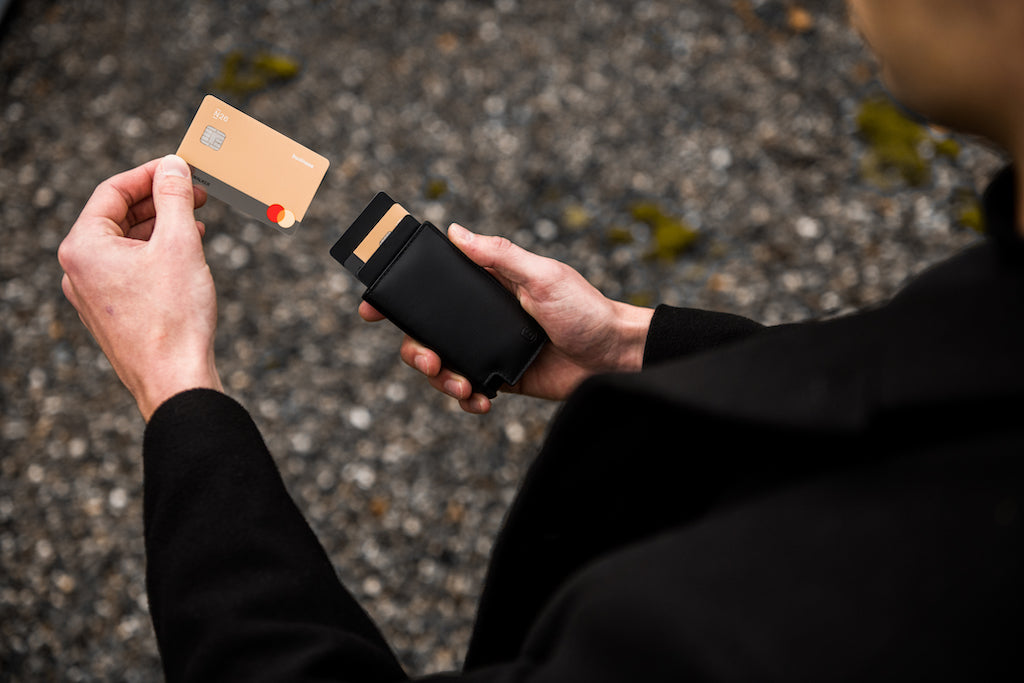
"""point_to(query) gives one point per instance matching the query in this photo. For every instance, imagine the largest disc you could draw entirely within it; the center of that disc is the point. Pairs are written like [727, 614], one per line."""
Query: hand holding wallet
[434, 293]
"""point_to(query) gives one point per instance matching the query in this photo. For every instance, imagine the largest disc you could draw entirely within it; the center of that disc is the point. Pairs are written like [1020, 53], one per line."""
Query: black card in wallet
[434, 293]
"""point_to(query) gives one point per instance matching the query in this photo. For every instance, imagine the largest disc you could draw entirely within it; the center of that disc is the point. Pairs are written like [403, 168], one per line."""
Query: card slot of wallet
[387, 250]
[437, 295]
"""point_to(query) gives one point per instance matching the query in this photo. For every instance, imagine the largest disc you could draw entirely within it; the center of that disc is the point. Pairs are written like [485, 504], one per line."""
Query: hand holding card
[135, 272]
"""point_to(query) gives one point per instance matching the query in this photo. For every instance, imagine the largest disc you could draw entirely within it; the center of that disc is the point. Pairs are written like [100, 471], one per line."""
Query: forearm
[239, 587]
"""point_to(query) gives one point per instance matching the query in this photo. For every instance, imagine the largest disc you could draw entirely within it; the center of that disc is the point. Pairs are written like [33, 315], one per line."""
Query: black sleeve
[239, 586]
[677, 332]
[241, 590]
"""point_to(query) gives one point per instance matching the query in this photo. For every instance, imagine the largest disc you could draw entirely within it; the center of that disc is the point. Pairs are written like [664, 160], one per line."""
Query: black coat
[828, 500]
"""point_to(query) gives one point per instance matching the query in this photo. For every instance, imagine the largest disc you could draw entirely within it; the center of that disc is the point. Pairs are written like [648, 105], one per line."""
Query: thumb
[509, 261]
[173, 199]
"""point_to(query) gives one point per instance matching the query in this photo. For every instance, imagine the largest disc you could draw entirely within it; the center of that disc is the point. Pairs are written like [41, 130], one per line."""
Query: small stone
[118, 498]
[455, 512]
[360, 418]
[363, 476]
[107, 65]
[65, 582]
[44, 549]
[43, 197]
[395, 392]
[545, 229]
[302, 442]
[372, 586]
[720, 158]
[799, 19]
[515, 432]
[721, 282]
[412, 526]
[807, 227]
[379, 506]
[134, 127]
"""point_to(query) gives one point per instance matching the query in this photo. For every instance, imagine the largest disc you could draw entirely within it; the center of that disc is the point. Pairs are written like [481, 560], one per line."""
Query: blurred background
[729, 154]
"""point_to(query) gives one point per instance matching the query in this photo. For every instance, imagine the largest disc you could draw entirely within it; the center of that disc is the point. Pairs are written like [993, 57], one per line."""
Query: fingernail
[420, 362]
[173, 165]
[453, 388]
[458, 233]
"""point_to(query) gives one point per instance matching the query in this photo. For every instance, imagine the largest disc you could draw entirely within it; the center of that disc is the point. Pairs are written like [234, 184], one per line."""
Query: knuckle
[177, 188]
[503, 245]
[66, 254]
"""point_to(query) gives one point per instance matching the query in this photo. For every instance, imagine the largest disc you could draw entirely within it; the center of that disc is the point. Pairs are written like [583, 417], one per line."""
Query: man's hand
[134, 269]
[588, 332]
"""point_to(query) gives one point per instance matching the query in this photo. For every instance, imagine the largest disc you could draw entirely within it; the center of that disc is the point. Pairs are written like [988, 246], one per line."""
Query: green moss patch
[898, 146]
[967, 209]
[672, 235]
[895, 145]
[242, 74]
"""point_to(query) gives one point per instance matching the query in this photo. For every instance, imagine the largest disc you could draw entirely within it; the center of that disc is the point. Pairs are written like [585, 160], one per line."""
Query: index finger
[370, 314]
[114, 197]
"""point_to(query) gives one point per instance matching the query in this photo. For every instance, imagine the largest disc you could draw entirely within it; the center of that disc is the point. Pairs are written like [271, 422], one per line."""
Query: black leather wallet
[434, 293]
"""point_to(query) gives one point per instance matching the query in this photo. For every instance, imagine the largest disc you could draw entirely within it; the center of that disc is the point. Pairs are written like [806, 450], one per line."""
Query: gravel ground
[543, 121]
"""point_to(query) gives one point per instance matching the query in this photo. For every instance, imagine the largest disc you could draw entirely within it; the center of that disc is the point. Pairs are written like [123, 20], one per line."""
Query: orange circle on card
[275, 212]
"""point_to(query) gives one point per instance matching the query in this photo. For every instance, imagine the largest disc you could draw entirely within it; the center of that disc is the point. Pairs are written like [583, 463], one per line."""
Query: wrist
[172, 379]
[633, 322]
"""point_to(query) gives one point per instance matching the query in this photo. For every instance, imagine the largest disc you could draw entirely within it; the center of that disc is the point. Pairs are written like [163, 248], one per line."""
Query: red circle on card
[275, 212]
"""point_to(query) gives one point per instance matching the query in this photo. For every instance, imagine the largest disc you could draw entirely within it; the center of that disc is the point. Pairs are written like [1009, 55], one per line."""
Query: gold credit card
[250, 165]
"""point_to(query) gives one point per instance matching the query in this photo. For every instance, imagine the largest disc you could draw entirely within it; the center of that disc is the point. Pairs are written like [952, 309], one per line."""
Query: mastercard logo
[280, 215]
